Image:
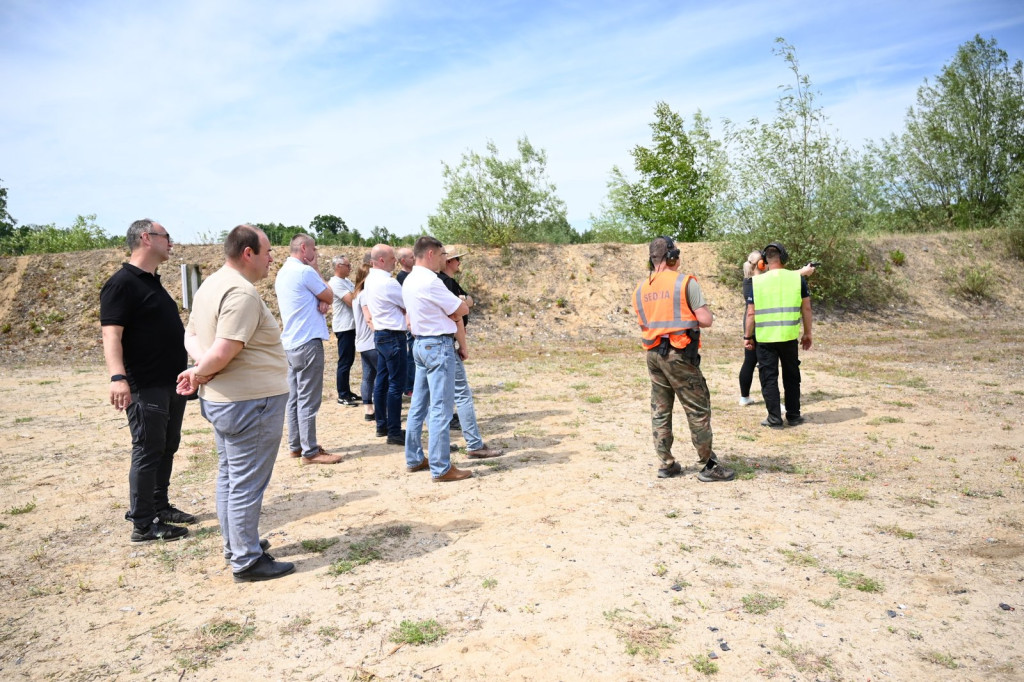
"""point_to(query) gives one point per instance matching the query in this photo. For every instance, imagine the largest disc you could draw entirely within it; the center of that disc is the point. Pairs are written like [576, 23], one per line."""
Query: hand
[748, 344]
[323, 307]
[463, 353]
[187, 382]
[805, 342]
[120, 395]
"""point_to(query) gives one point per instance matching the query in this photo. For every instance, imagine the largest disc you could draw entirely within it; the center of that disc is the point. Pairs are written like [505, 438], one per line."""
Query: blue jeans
[432, 398]
[154, 416]
[387, 390]
[305, 393]
[247, 434]
[464, 403]
[369, 358]
[346, 356]
[410, 366]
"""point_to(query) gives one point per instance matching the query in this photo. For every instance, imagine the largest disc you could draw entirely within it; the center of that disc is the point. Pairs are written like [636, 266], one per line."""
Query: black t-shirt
[454, 287]
[402, 274]
[153, 341]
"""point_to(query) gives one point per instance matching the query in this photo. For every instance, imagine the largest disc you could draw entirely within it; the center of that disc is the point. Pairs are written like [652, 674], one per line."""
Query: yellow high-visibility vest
[777, 306]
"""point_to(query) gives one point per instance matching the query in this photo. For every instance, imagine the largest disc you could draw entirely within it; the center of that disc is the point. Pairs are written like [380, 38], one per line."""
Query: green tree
[681, 179]
[278, 233]
[381, 235]
[496, 202]
[794, 182]
[7, 223]
[82, 235]
[963, 142]
[325, 225]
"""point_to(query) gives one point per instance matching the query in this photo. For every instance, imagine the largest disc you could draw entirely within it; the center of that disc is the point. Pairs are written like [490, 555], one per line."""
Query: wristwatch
[119, 377]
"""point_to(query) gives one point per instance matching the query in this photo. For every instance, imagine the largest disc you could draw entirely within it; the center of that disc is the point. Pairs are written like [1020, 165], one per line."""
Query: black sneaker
[174, 515]
[397, 440]
[264, 568]
[715, 472]
[670, 471]
[159, 531]
[382, 432]
[264, 545]
[370, 417]
[772, 423]
[355, 398]
[455, 425]
[795, 421]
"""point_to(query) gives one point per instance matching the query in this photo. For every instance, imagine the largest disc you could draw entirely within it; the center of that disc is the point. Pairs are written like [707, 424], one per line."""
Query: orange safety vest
[662, 310]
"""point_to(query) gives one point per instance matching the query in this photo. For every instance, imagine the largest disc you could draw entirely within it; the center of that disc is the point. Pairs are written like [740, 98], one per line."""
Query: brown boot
[453, 474]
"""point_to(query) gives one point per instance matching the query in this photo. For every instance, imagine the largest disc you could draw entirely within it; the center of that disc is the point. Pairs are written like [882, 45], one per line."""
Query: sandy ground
[877, 541]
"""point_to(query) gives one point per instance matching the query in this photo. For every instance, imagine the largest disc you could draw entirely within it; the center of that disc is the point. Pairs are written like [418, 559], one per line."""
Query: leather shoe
[419, 467]
[381, 432]
[772, 424]
[397, 440]
[264, 568]
[484, 453]
[322, 457]
[453, 474]
[795, 421]
[296, 453]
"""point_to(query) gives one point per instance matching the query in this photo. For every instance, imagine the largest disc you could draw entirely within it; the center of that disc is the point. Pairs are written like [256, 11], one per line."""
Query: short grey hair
[339, 260]
[135, 232]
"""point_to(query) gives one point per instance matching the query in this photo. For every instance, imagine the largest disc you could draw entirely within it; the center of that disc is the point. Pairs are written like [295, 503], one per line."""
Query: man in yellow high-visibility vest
[779, 303]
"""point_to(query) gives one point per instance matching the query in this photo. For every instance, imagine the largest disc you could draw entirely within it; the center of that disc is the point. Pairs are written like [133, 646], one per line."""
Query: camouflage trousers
[674, 376]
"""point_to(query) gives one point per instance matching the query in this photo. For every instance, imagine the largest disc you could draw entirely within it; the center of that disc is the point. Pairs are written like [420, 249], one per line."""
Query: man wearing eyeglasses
[144, 350]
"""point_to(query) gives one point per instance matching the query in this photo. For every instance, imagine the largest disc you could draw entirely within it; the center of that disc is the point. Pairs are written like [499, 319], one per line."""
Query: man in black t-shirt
[465, 419]
[144, 347]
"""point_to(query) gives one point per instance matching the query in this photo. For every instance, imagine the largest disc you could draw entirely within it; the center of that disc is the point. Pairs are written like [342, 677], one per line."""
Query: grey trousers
[305, 393]
[247, 434]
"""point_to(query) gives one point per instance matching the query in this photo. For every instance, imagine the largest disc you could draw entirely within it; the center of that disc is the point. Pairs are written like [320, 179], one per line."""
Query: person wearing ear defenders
[777, 305]
[752, 267]
[671, 309]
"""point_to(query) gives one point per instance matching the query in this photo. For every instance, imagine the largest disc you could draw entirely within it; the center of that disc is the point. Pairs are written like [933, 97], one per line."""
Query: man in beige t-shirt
[241, 374]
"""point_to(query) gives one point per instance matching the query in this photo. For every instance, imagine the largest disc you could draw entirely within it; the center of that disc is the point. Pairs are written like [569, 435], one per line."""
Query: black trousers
[769, 357]
[154, 416]
[747, 370]
[346, 357]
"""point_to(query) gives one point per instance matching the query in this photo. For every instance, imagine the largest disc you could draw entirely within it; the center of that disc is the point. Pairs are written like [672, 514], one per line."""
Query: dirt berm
[49, 303]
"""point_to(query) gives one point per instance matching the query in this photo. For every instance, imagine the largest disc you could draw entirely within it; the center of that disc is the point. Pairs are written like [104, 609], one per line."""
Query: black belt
[392, 331]
[430, 336]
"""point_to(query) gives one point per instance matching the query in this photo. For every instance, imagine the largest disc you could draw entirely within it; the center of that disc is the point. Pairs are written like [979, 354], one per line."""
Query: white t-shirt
[342, 320]
[382, 295]
[429, 303]
[297, 286]
[364, 335]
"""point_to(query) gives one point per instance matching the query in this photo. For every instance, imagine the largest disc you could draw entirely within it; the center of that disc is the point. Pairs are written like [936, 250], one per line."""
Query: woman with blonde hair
[364, 342]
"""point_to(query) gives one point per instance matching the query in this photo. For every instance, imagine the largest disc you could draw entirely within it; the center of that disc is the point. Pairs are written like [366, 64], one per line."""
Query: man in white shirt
[303, 298]
[344, 326]
[384, 311]
[432, 313]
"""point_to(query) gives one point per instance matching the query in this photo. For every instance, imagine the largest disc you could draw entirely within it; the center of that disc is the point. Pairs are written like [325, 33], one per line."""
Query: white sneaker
[746, 401]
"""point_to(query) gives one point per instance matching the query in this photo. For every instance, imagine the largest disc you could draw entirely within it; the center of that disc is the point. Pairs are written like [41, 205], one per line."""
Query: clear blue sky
[203, 114]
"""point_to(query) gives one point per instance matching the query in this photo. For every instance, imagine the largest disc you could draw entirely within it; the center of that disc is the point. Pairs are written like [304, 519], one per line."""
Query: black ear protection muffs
[783, 255]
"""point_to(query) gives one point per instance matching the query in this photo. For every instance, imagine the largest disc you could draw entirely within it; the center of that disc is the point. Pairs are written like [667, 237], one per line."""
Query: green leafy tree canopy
[494, 201]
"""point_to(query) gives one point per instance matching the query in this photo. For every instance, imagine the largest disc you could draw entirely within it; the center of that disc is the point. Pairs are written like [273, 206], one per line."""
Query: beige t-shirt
[227, 306]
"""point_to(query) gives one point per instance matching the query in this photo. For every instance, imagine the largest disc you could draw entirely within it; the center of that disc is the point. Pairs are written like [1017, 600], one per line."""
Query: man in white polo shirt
[433, 311]
[303, 298]
[384, 311]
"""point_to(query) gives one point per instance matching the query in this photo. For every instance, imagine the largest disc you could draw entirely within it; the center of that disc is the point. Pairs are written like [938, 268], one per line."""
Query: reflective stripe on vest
[662, 310]
[777, 306]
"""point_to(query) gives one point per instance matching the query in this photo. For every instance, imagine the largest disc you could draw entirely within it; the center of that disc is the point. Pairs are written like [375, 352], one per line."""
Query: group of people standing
[671, 311]
[252, 375]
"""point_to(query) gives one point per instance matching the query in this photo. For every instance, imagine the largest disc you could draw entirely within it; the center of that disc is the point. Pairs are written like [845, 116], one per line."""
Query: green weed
[416, 633]
[759, 603]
